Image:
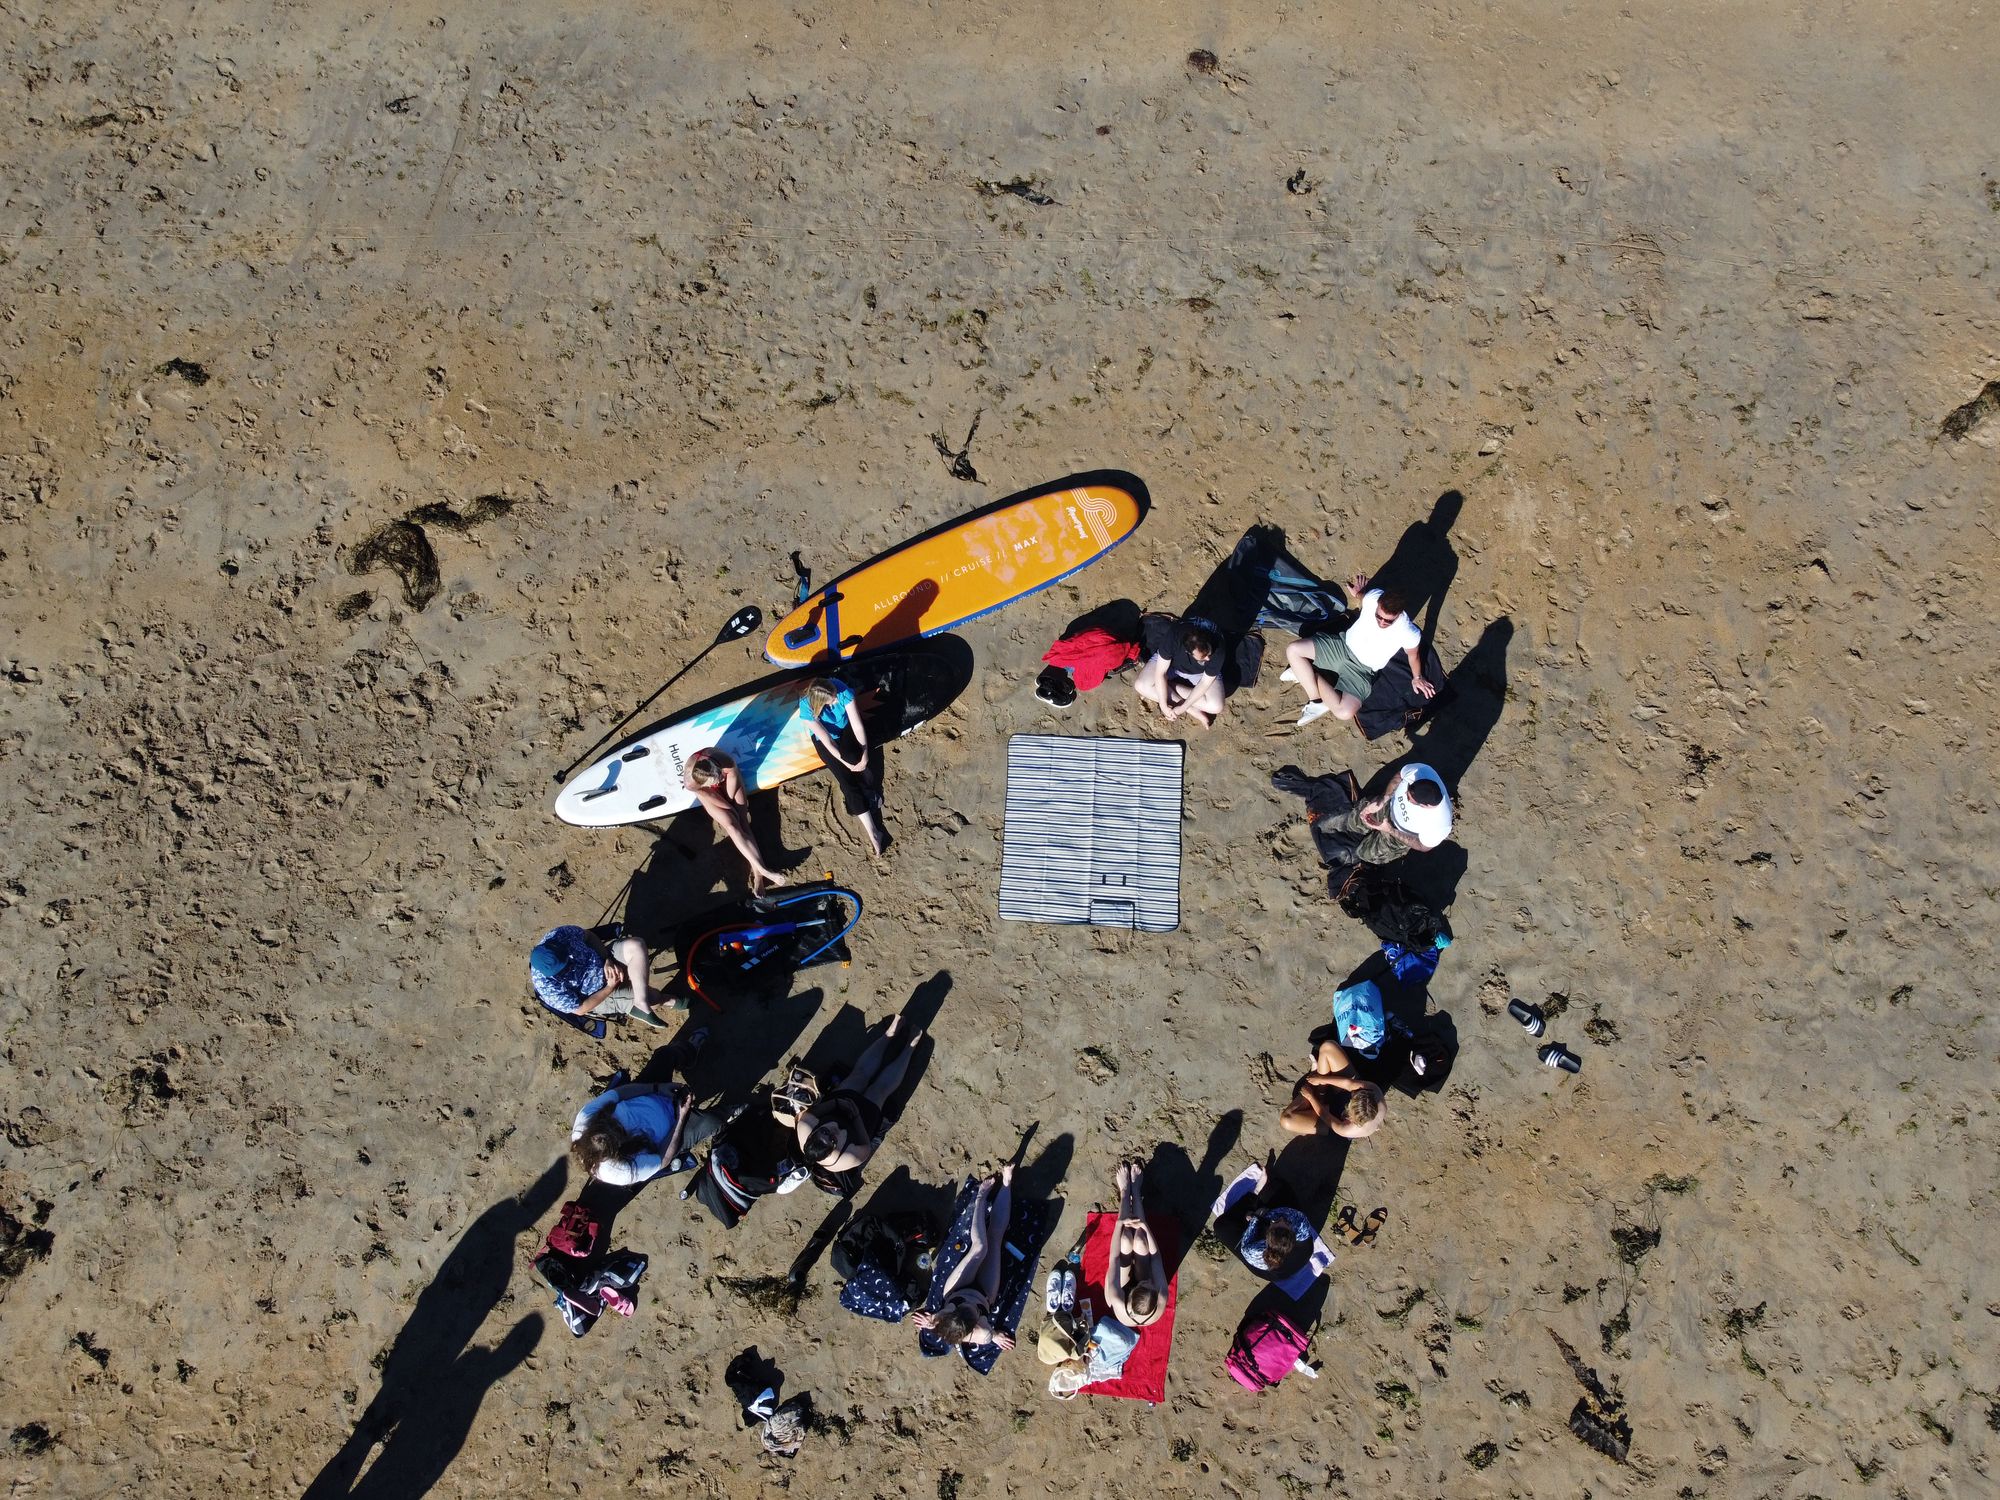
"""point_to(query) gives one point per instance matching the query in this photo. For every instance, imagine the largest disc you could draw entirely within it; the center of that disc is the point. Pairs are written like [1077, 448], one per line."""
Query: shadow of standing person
[1423, 565]
[432, 1380]
[1451, 742]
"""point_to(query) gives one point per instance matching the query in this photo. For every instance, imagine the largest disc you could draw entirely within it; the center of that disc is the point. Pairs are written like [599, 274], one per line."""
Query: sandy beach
[389, 400]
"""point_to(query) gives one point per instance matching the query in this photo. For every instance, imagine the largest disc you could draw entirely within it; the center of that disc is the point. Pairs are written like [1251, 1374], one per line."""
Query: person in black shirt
[1184, 672]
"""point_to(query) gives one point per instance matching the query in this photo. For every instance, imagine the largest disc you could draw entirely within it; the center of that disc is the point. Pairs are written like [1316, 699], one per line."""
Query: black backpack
[903, 1246]
[1387, 907]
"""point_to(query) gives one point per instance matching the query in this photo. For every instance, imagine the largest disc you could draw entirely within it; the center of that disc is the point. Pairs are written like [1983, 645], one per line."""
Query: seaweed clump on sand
[1598, 1419]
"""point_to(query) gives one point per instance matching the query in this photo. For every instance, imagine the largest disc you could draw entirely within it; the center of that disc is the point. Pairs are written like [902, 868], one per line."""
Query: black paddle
[738, 625]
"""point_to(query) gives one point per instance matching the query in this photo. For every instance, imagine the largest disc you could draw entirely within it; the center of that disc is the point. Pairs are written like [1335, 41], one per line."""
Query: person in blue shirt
[577, 973]
[830, 712]
[635, 1132]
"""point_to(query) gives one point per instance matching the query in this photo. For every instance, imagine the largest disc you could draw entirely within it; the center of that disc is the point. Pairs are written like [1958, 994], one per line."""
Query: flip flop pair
[1364, 1233]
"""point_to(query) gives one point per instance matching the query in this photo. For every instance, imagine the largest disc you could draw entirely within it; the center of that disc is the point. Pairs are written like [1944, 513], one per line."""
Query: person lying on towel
[1184, 674]
[1135, 1282]
[965, 1310]
[1330, 1101]
[1338, 671]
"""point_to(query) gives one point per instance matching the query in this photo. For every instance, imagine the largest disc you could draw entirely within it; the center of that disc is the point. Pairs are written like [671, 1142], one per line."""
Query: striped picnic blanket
[1093, 832]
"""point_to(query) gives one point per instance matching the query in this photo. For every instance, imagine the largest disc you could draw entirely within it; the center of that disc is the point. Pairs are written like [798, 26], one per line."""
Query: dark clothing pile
[1394, 703]
[1387, 907]
[1328, 799]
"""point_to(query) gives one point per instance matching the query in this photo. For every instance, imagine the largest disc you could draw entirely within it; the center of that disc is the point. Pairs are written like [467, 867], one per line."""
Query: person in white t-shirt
[1337, 671]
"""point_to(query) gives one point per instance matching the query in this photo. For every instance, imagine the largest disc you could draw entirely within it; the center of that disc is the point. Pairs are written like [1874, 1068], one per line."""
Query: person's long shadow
[1185, 1189]
[1424, 565]
[1452, 741]
[1036, 1182]
[902, 622]
[433, 1381]
[688, 862]
[1309, 1168]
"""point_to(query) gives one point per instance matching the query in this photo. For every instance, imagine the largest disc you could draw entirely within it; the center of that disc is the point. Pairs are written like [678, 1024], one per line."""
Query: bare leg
[869, 1063]
[973, 1263]
[872, 826]
[1206, 706]
[632, 953]
[1299, 657]
[736, 824]
[890, 1076]
[1151, 683]
[999, 1209]
[1345, 705]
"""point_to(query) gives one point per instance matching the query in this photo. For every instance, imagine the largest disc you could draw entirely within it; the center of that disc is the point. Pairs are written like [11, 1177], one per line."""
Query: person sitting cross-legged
[579, 973]
[1331, 1101]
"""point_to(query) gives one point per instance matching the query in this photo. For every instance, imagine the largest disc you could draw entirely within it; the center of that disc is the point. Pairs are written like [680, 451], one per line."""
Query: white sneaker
[1312, 711]
[1290, 674]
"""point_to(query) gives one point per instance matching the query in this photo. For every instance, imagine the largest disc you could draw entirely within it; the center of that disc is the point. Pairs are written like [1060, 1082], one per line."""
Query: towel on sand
[1017, 1274]
[1144, 1377]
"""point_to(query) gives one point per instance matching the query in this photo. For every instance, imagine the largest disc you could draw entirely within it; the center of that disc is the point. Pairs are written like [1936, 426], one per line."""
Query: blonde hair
[821, 691]
[1363, 1104]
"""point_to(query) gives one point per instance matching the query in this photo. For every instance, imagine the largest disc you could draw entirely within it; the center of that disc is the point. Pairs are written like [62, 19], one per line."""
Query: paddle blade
[740, 624]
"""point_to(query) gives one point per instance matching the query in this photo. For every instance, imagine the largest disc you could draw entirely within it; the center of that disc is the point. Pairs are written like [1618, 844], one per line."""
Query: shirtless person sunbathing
[1327, 1101]
[965, 1305]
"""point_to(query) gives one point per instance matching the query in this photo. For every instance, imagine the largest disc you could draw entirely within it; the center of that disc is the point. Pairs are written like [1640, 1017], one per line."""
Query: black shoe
[1055, 687]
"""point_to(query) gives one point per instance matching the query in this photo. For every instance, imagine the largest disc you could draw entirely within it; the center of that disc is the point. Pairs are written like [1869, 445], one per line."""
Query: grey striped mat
[1093, 832]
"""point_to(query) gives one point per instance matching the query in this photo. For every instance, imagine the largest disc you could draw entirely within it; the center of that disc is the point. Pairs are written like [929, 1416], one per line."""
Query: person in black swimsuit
[965, 1310]
[842, 1130]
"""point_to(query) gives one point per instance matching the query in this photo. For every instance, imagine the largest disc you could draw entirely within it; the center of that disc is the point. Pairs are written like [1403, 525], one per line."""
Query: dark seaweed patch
[404, 550]
[478, 511]
[1635, 1242]
[1961, 422]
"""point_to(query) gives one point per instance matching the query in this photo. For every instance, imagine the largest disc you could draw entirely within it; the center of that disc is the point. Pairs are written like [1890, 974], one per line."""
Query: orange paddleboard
[964, 568]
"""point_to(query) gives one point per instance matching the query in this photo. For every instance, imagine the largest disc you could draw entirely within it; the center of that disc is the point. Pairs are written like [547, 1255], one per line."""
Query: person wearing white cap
[1414, 813]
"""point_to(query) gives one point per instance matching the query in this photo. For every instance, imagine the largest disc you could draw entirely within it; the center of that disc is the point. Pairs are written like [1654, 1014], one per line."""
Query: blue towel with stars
[1017, 1274]
[872, 1293]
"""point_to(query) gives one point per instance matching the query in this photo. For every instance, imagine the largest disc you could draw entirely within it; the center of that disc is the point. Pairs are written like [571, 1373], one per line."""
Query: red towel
[1091, 656]
[1144, 1377]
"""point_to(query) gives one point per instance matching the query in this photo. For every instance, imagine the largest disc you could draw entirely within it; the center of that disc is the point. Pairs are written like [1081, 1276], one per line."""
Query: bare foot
[1007, 1174]
[1124, 1177]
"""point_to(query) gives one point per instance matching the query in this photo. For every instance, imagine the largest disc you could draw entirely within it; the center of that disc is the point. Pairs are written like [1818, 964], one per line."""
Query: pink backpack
[1267, 1347]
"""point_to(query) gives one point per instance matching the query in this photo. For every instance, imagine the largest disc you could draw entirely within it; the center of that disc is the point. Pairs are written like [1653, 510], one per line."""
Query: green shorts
[1331, 656]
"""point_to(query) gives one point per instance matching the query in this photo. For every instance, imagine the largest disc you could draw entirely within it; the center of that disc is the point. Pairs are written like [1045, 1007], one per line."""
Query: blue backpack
[1357, 1015]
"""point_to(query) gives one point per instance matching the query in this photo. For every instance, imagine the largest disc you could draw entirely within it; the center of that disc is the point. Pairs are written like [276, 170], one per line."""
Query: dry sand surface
[1682, 299]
